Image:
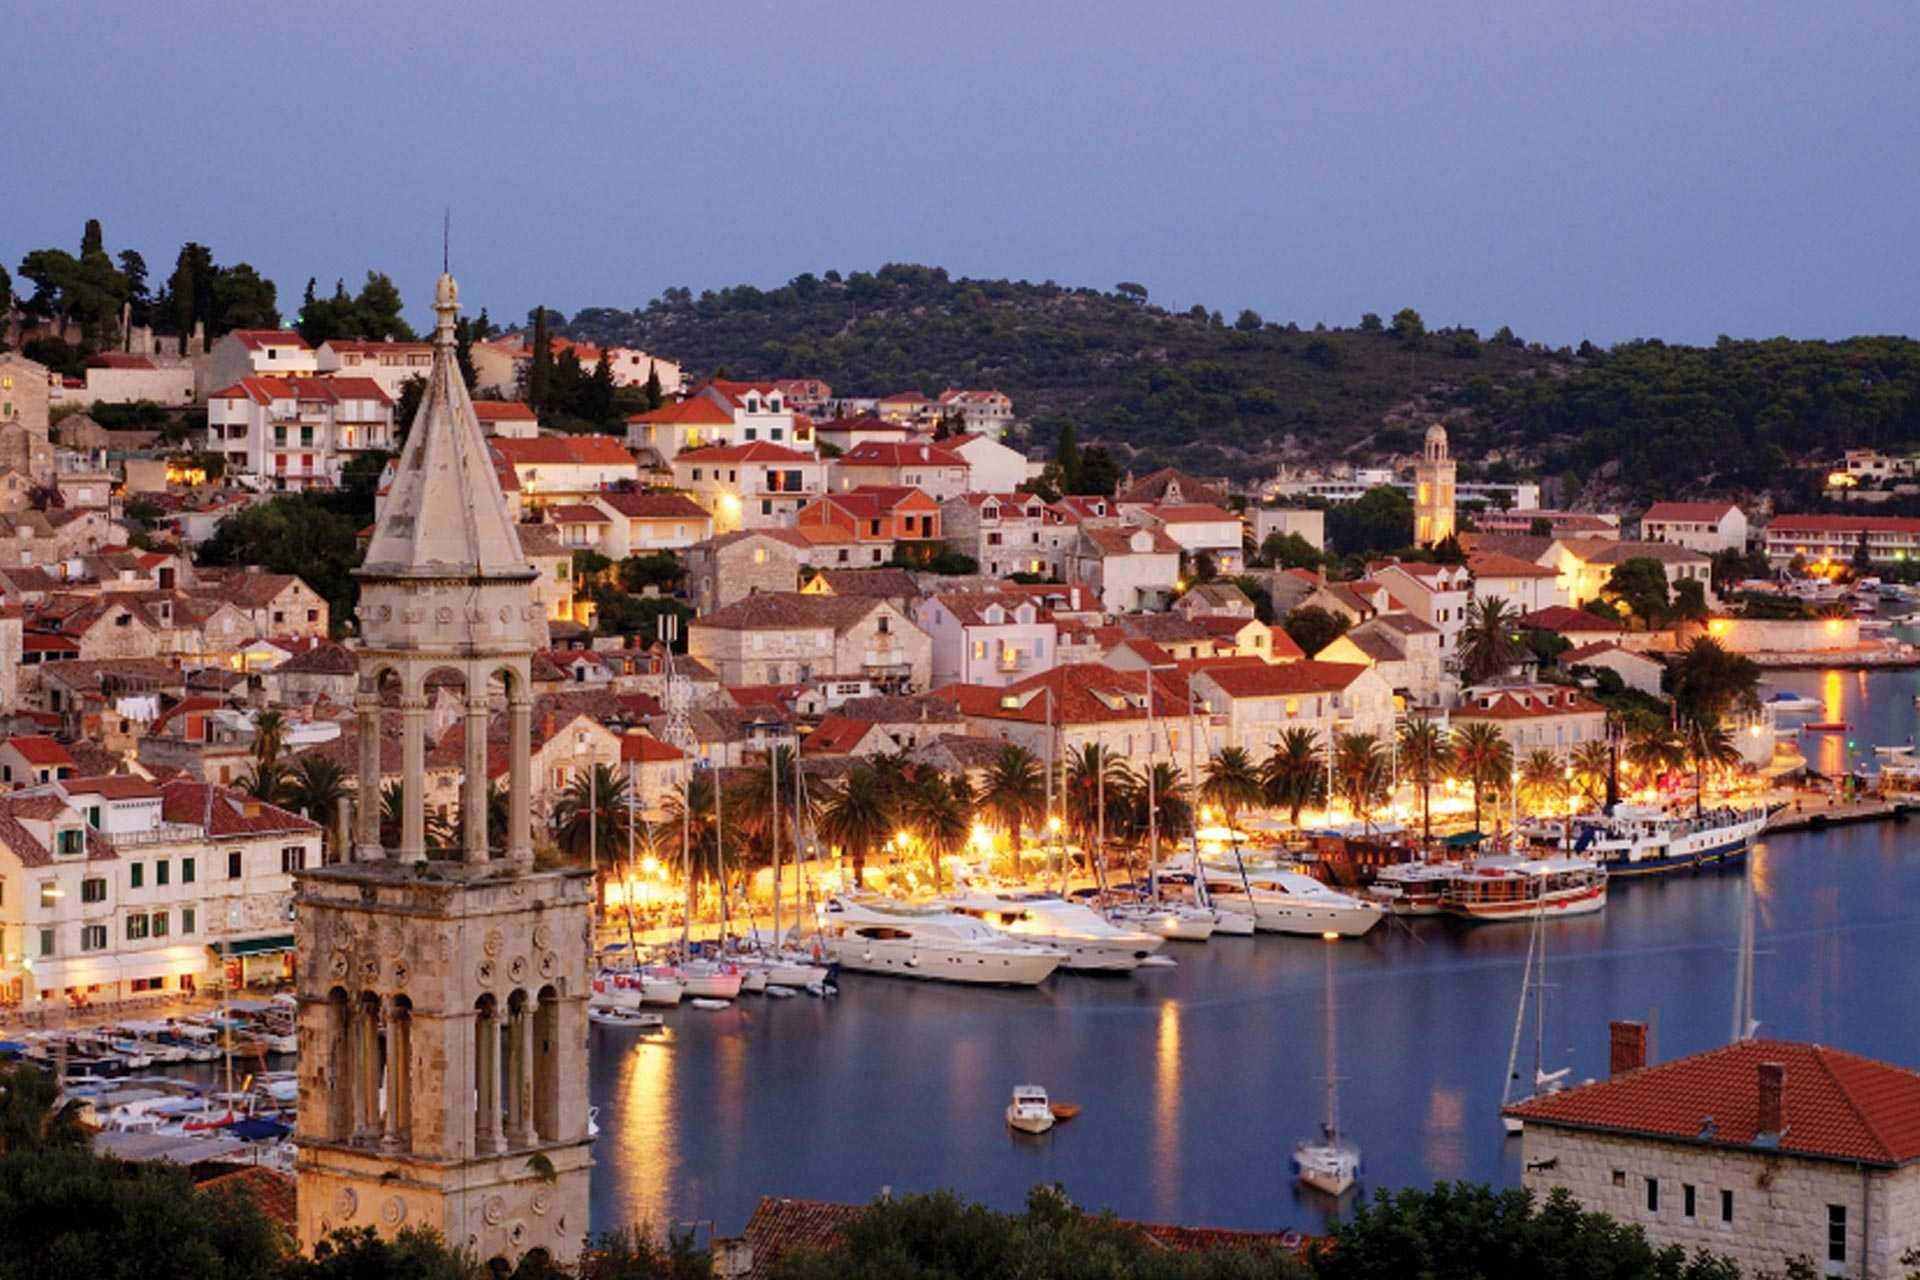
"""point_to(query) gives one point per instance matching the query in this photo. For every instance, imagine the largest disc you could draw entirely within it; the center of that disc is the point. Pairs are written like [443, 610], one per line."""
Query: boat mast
[773, 836]
[1744, 1023]
[633, 944]
[1333, 1080]
[1520, 1014]
[1153, 805]
[719, 851]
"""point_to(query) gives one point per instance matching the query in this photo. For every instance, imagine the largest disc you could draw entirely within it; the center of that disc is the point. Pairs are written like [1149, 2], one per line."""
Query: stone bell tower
[1433, 478]
[443, 1028]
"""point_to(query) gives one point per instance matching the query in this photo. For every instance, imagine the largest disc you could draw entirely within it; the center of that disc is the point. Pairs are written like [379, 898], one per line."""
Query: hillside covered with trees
[1241, 395]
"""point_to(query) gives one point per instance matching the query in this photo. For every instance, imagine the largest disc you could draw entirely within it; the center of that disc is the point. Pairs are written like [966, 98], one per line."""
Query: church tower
[1433, 491]
[442, 993]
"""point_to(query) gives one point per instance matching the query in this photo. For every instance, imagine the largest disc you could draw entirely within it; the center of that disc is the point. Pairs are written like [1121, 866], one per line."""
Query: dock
[1819, 813]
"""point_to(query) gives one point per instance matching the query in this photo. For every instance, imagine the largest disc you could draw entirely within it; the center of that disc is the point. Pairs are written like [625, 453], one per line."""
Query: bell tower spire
[442, 991]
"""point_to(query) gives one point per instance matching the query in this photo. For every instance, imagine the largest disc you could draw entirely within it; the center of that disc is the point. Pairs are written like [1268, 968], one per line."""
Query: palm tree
[1360, 771]
[1710, 683]
[317, 786]
[1543, 779]
[1486, 645]
[1294, 774]
[939, 810]
[690, 812]
[1232, 782]
[33, 1118]
[269, 738]
[1592, 763]
[591, 812]
[1171, 812]
[433, 826]
[264, 783]
[1710, 749]
[1482, 755]
[1014, 794]
[1424, 751]
[1655, 750]
[499, 814]
[1094, 771]
[858, 819]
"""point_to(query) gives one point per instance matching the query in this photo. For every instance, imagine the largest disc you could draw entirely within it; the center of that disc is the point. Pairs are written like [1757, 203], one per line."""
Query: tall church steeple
[443, 1004]
[1433, 481]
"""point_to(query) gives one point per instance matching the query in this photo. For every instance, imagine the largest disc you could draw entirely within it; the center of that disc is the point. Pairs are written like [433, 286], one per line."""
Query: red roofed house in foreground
[1535, 717]
[1764, 1150]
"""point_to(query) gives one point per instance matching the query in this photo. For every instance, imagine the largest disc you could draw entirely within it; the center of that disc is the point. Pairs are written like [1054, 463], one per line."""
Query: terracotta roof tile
[1836, 1105]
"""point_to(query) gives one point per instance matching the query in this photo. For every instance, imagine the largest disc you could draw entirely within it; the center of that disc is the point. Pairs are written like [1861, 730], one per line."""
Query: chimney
[1773, 1084]
[1626, 1047]
[547, 726]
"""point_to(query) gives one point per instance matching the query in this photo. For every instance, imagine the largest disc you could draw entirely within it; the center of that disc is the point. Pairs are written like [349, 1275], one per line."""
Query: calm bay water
[1196, 1082]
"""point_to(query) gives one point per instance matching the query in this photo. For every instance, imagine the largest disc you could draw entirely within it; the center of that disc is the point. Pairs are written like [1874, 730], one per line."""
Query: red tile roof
[1836, 1105]
[887, 453]
[1844, 524]
[576, 513]
[1191, 513]
[695, 412]
[756, 451]
[503, 411]
[563, 451]
[1559, 618]
[1494, 564]
[221, 811]
[253, 339]
[655, 506]
[1257, 679]
[1708, 512]
[40, 749]
[836, 736]
[118, 786]
[644, 748]
[272, 1192]
[1526, 702]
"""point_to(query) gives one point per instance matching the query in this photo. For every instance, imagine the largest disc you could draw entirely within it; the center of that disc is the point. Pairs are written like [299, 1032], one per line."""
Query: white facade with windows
[102, 897]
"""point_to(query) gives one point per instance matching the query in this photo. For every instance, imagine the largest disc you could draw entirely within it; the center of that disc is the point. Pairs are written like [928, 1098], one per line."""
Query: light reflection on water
[1196, 1081]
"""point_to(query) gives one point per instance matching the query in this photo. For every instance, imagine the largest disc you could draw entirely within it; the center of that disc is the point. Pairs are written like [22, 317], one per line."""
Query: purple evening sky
[1588, 170]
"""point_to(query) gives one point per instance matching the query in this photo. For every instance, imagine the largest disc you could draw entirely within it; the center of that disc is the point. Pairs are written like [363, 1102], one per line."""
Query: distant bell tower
[1433, 491]
[442, 993]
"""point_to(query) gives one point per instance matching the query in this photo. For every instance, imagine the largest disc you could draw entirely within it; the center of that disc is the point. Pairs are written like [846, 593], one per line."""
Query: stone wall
[1780, 1202]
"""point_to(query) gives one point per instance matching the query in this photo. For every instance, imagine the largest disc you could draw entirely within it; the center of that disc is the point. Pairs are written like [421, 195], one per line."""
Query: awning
[164, 962]
[255, 946]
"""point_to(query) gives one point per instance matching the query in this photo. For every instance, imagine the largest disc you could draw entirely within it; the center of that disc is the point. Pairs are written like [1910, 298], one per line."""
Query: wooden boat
[1064, 1111]
[1828, 726]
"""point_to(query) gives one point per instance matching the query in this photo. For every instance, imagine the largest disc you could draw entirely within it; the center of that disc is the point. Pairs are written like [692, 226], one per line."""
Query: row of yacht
[248, 1030]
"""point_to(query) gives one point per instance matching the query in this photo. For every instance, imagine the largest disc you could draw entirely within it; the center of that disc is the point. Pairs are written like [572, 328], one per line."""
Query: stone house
[278, 604]
[1260, 702]
[778, 636]
[934, 469]
[733, 566]
[1129, 569]
[642, 523]
[1763, 1150]
[102, 626]
[1003, 532]
[24, 399]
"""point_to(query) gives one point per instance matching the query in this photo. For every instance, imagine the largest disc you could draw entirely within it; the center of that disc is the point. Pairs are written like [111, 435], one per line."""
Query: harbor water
[1196, 1082]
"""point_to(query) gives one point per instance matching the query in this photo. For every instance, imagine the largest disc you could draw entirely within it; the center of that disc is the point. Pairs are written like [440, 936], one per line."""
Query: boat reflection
[1166, 1111]
[642, 1138]
[1444, 1130]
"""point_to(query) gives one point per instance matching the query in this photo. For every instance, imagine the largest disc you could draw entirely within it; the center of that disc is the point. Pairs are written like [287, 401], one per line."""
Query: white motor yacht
[1030, 1111]
[1180, 921]
[1411, 888]
[873, 934]
[1289, 902]
[1090, 940]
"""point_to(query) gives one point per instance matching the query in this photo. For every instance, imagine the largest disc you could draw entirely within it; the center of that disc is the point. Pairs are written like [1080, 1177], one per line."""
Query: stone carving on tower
[442, 993]
[1433, 478]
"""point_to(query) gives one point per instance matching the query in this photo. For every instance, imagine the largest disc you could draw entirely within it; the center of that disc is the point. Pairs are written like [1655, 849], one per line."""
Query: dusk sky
[1599, 171]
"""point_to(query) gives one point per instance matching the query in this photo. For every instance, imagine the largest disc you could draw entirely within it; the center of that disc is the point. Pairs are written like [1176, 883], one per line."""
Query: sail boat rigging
[1330, 1163]
[1532, 982]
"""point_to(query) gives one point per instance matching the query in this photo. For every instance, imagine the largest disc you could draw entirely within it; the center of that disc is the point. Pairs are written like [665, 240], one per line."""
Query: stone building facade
[1763, 1150]
[443, 1028]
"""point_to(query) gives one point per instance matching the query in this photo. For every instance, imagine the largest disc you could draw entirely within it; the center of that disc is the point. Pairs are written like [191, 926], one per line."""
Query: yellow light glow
[1330, 936]
[1053, 823]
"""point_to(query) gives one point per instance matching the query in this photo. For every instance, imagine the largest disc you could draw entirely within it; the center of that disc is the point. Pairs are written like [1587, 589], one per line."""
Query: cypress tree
[540, 375]
[1066, 452]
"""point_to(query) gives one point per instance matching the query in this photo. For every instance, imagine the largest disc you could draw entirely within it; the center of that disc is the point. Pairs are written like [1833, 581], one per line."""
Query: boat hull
[1585, 902]
[1024, 1121]
[933, 963]
[1307, 919]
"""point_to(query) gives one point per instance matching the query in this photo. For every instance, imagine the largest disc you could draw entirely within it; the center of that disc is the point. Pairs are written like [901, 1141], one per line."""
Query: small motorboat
[777, 992]
[1828, 726]
[1897, 749]
[603, 1016]
[1064, 1111]
[1795, 703]
[709, 1003]
[1029, 1112]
